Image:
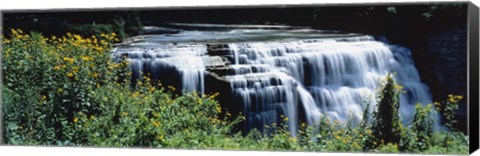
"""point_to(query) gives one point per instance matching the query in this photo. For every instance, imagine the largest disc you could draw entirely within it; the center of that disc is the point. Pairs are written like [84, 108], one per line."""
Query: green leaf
[392, 10]
[12, 126]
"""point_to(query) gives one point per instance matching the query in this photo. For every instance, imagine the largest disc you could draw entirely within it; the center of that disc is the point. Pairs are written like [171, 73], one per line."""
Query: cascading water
[182, 61]
[285, 74]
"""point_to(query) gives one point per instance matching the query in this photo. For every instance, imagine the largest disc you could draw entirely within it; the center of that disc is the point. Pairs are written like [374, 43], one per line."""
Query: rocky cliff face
[449, 50]
[441, 59]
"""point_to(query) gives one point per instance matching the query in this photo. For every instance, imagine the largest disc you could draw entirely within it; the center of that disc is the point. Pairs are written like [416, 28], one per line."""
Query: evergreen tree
[386, 127]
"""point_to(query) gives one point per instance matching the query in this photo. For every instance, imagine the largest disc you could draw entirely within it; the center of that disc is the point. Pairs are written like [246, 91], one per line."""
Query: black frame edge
[473, 100]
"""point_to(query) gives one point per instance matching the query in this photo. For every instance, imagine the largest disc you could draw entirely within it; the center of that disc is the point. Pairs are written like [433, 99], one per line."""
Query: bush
[423, 125]
[386, 120]
[51, 79]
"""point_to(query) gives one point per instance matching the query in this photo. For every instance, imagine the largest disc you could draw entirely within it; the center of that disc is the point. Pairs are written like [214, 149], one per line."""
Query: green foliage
[423, 125]
[448, 109]
[388, 148]
[392, 10]
[50, 80]
[408, 141]
[92, 29]
[127, 24]
[436, 12]
[386, 121]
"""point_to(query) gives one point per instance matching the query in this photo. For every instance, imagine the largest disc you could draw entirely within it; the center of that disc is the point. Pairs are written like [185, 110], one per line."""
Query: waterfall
[333, 77]
[184, 61]
[301, 79]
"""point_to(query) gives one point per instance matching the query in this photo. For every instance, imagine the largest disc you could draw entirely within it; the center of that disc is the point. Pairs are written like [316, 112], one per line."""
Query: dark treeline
[381, 19]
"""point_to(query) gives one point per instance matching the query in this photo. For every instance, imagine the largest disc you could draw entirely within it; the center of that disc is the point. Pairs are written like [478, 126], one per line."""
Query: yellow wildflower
[303, 124]
[56, 68]
[160, 137]
[151, 89]
[70, 74]
[75, 119]
[171, 88]
[369, 132]
[292, 139]
[338, 137]
[75, 69]
[214, 95]
[87, 58]
[69, 60]
[14, 32]
[156, 123]
[135, 94]
[78, 37]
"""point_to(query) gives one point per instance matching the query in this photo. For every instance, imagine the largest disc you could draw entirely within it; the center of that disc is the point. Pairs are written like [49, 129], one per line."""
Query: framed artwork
[356, 78]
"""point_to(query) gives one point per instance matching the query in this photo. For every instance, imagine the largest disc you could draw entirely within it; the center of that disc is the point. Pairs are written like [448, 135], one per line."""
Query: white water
[329, 76]
[324, 76]
[186, 59]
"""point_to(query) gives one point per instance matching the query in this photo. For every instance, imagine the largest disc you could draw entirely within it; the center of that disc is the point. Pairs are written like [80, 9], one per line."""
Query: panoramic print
[378, 78]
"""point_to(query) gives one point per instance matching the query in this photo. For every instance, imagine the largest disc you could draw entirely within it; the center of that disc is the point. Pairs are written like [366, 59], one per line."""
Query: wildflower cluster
[61, 74]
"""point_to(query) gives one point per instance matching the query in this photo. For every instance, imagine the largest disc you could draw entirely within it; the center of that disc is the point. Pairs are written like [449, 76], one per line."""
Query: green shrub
[423, 125]
[448, 108]
[51, 79]
[386, 121]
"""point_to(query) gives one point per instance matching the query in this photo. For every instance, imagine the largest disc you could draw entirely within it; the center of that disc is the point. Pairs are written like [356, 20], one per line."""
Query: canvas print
[371, 78]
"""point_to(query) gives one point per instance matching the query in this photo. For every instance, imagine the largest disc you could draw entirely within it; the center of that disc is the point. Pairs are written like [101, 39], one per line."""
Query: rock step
[238, 69]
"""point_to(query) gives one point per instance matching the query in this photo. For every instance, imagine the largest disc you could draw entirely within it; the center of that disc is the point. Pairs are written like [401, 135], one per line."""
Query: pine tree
[386, 127]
